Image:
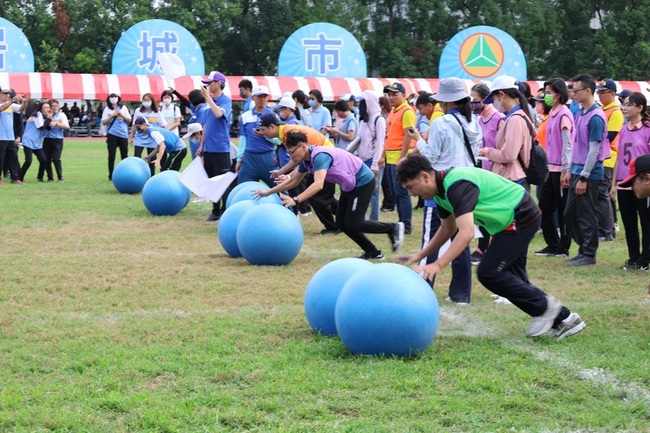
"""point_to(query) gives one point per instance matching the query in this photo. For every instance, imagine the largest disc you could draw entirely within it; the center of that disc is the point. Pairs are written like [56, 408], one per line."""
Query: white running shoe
[540, 324]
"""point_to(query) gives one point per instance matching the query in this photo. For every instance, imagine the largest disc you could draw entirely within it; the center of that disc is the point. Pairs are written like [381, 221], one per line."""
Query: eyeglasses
[293, 151]
[578, 90]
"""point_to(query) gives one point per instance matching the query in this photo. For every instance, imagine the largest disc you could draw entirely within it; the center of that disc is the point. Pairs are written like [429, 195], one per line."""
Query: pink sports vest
[581, 147]
[631, 144]
[554, 135]
[344, 169]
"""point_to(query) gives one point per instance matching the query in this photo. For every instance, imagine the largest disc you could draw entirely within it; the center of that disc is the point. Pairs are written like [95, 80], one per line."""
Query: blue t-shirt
[7, 123]
[249, 123]
[216, 130]
[56, 132]
[172, 141]
[320, 118]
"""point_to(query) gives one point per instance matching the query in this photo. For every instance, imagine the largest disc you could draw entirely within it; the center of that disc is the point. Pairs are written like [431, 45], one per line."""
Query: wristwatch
[582, 179]
[295, 199]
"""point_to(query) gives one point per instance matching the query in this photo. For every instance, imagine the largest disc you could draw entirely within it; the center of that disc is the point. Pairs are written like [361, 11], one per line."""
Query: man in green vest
[467, 196]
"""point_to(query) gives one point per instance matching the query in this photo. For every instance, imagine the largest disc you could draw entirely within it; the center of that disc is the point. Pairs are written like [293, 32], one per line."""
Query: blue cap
[607, 84]
[395, 87]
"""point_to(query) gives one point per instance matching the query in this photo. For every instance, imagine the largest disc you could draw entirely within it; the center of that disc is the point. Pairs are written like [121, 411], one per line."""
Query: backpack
[537, 170]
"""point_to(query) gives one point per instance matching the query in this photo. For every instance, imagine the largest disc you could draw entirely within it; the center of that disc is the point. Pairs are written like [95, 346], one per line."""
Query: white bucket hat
[451, 89]
[192, 129]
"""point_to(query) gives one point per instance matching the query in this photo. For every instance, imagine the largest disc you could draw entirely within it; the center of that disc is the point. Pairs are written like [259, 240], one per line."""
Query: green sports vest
[497, 199]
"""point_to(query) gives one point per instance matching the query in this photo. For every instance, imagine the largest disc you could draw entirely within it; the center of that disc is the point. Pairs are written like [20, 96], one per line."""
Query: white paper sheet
[196, 179]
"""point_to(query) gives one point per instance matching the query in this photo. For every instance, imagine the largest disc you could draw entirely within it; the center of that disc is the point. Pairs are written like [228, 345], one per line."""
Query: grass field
[112, 320]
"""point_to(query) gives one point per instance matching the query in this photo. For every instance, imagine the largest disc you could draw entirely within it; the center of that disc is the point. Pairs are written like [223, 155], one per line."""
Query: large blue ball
[228, 224]
[130, 175]
[176, 174]
[323, 290]
[269, 234]
[246, 194]
[250, 185]
[164, 194]
[387, 309]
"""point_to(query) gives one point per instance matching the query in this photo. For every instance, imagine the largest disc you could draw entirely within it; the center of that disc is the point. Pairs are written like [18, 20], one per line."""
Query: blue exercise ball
[228, 224]
[176, 174]
[130, 175]
[323, 290]
[250, 185]
[387, 309]
[269, 234]
[164, 194]
[246, 194]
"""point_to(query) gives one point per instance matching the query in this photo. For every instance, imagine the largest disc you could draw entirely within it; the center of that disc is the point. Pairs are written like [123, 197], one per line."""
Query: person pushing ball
[357, 183]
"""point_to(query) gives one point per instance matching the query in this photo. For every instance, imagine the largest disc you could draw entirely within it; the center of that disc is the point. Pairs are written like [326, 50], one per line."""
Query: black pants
[604, 207]
[53, 148]
[138, 154]
[503, 271]
[552, 202]
[40, 155]
[351, 217]
[581, 217]
[460, 287]
[324, 204]
[113, 143]
[216, 164]
[9, 159]
[389, 201]
[633, 212]
[174, 160]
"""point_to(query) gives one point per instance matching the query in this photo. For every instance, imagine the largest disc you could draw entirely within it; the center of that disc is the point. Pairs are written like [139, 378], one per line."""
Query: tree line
[402, 38]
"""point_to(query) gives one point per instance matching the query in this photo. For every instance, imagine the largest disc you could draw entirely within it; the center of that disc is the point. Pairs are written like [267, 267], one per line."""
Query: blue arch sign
[136, 51]
[16, 54]
[482, 52]
[322, 50]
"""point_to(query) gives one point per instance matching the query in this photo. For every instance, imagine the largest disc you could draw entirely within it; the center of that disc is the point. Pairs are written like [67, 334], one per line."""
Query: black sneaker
[387, 209]
[397, 236]
[330, 232]
[547, 252]
[581, 260]
[476, 257]
[212, 217]
[368, 256]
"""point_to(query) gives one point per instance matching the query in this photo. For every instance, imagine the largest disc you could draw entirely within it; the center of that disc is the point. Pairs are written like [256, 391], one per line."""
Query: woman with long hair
[36, 127]
[513, 142]
[634, 141]
[152, 115]
[560, 134]
[115, 120]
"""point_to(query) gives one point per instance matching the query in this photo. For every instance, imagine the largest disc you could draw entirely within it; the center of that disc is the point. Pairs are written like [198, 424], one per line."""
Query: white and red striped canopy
[132, 87]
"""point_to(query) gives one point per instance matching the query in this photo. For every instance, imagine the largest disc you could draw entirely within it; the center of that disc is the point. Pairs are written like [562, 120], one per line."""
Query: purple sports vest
[344, 169]
[554, 135]
[489, 130]
[581, 147]
[631, 144]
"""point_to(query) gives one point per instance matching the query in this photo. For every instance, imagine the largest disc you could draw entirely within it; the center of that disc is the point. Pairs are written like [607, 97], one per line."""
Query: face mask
[146, 104]
[497, 105]
[477, 107]
[549, 99]
[112, 100]
[312, 103]
[242, 95]
[167, 101]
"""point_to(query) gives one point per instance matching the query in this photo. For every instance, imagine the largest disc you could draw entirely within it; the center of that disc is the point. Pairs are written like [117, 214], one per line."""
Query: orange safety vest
[314, 137]
[614, 143]
[395, 130]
